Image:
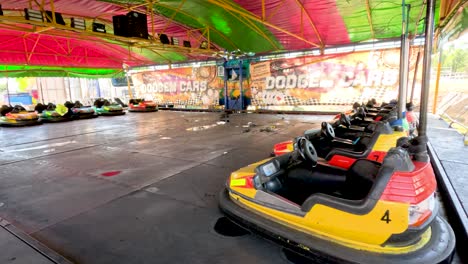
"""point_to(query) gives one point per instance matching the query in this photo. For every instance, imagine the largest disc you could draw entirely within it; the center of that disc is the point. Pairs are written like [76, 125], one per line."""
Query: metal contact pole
[241, 63]
[404, 58]
[8, 90]
[416, 66]
[226, 106]
[426, 70]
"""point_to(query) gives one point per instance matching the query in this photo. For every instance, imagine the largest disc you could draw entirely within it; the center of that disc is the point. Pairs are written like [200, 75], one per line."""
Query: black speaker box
[58, 17]
[164, 39]
[120, 25]
[137, 25]
[101, 28]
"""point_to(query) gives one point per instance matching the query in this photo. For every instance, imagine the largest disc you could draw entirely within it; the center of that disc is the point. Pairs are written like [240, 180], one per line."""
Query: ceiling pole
[274, 11]
[173, 16]
[301, 5]
[252, 26]
[418, 19]
[196, 18]
[302, 22]
[26, 52]
[34, 48]
[208, 34]
[52, 7]
[426, 70]
[369, 19]
[263, 10]
[404, 58]
[151, 17]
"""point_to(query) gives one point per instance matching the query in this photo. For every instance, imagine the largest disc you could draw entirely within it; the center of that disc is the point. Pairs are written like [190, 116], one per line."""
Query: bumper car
[106, 108]
[80, 111]
[52, 113]
[17, 116]
[343, 144]
[140, 105]
[370, 213]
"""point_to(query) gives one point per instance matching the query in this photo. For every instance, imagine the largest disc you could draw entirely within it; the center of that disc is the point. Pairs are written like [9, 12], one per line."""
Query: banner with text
[330, 79]
[197, 86]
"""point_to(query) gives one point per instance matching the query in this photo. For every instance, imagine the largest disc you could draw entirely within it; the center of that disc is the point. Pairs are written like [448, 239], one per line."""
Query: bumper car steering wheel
[328, 130]
[307, 150]
[345, 120]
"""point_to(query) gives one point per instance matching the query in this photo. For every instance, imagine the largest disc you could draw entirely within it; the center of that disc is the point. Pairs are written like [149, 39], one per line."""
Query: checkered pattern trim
[377, 93]
[257, 102]
[291, 100]
[312, 101]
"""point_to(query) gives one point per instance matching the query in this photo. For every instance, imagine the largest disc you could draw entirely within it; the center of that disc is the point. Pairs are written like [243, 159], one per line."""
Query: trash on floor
[199, 128]
[268, 129]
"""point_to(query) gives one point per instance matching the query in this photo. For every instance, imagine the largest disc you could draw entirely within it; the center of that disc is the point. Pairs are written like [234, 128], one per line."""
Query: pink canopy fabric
[288, 17]
[253, 26]
[38, 49]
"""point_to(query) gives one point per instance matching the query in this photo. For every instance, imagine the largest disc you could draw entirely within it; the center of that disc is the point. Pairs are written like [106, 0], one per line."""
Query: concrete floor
[139, 188]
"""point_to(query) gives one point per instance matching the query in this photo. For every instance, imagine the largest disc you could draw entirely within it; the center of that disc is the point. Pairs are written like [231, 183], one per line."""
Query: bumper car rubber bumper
[20, 123]
[143, 110]
[439, 249]
[112, 113]
[56, 119]
[85, 115]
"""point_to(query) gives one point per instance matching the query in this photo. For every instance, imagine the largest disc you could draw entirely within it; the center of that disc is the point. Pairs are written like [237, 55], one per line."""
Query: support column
[426, 70]
[436, 92]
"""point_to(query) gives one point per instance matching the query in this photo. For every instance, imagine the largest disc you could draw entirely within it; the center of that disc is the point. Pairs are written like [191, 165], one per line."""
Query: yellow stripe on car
[371, 229]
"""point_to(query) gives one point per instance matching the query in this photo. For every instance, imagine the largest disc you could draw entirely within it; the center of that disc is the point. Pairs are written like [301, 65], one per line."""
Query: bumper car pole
[241, 64]
[7, 90]
[426, 69]
[126, 68]
[416, 66]
[226, 106]
[404, 58]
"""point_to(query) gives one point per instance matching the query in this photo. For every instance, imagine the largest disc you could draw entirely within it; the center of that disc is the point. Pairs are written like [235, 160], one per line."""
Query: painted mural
[337, 79]
[328, 80]
[197, 86]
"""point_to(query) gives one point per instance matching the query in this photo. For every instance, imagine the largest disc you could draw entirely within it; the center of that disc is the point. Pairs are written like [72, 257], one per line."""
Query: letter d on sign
[270, 82]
